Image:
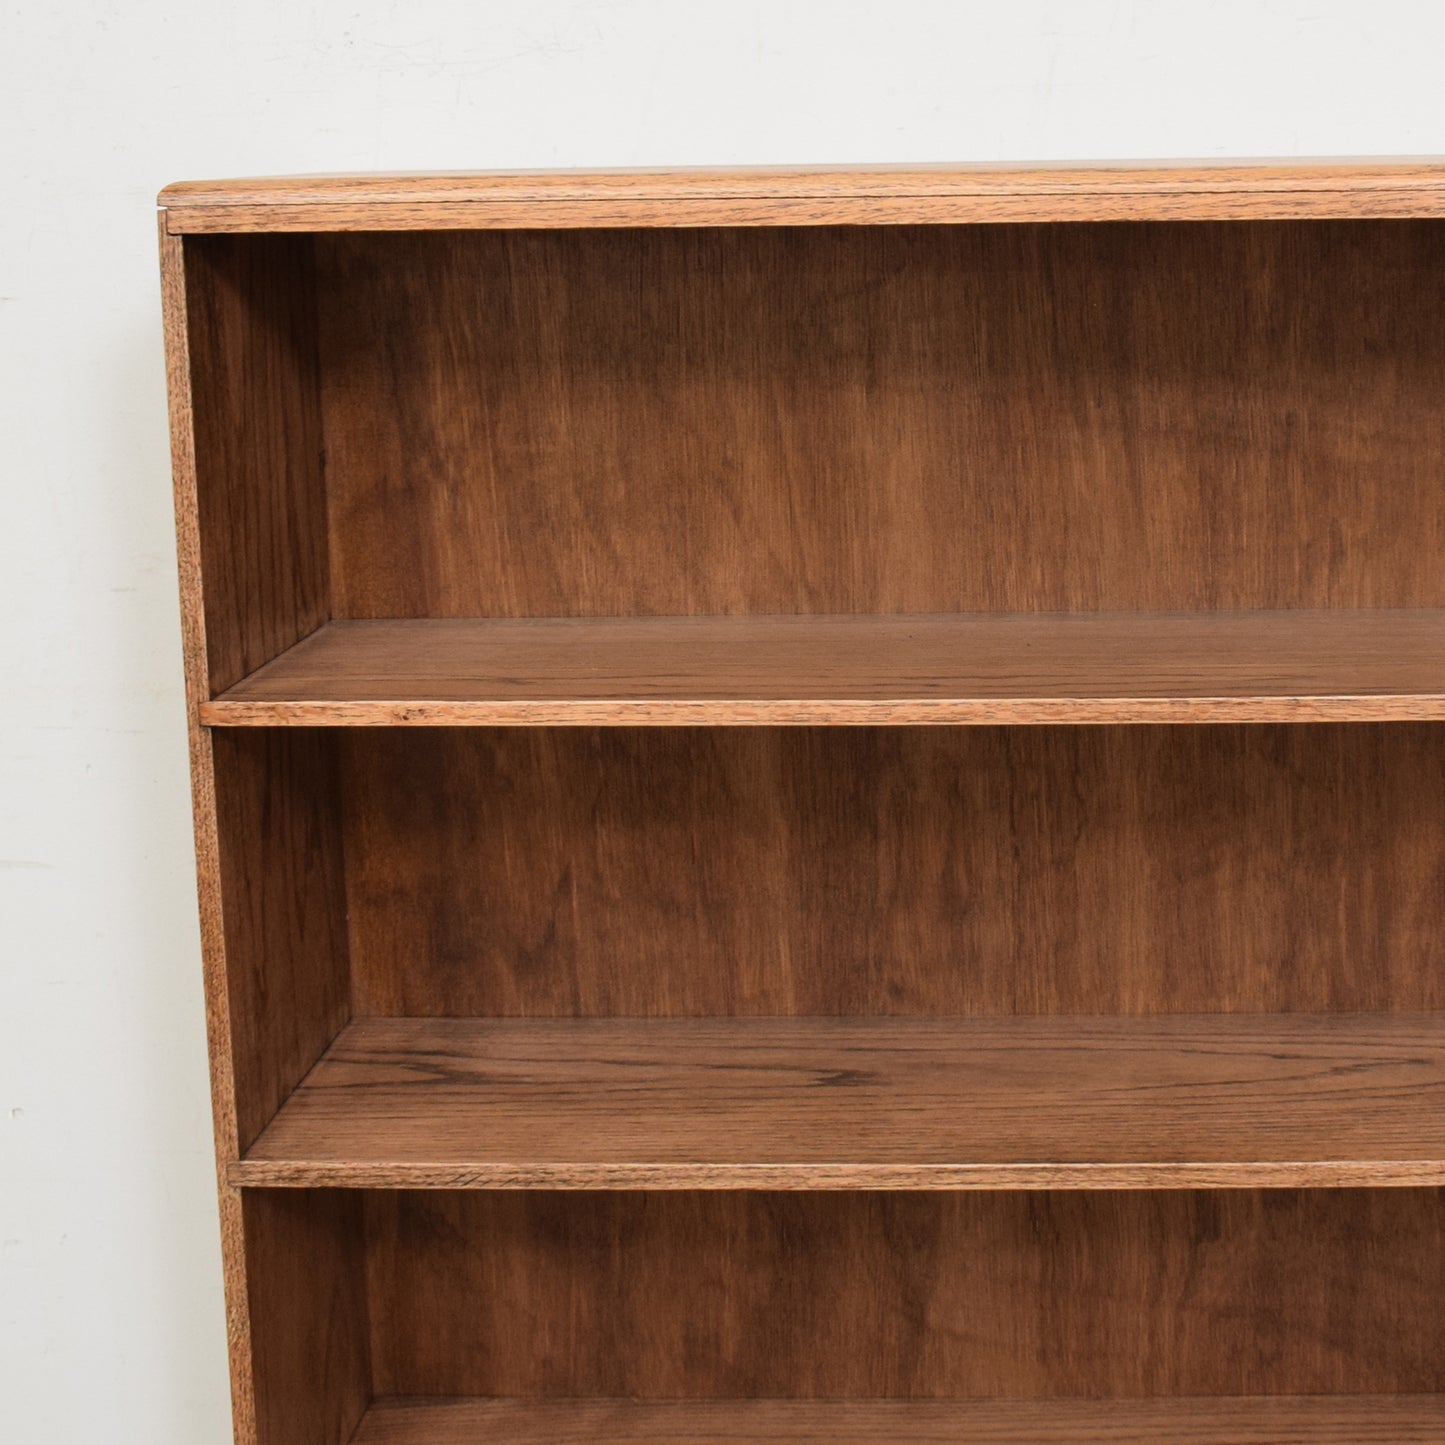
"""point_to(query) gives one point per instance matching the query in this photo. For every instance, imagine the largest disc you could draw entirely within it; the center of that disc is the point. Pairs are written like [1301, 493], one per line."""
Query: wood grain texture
[811, 196]
[719, 414]
[1070, 668]
[306, 1276]
[968, 871]
[283, 912]
[897, 1295]
[1103, 1103]
[206, 832]
[253, 389]
[879, 421]
[1281, 1420]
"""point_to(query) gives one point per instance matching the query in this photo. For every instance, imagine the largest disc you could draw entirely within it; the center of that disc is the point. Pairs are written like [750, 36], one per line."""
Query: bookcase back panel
[855, 419]
[894, 871]
[852, 1296]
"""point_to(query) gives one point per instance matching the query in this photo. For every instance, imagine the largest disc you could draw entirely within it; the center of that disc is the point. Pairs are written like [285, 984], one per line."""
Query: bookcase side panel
[258, 447]
[284, 911]
[206, 830]
[306, 1271]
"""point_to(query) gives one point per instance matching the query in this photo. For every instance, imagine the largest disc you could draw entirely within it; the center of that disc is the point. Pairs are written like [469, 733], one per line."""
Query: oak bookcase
[627, 1023]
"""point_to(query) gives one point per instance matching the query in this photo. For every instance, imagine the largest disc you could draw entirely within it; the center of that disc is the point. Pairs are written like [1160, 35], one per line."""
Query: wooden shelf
[905, 1103]
[1047, 668]
[1278, 1420]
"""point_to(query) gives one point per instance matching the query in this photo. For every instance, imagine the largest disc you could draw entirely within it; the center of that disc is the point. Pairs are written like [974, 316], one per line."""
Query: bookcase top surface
[815, 195]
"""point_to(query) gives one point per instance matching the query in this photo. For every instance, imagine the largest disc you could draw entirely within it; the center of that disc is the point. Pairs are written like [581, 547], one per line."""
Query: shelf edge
[1282, 1174]
[1013, 712]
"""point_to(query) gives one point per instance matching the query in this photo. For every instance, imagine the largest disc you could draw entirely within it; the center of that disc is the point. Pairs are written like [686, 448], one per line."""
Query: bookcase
[820, 800]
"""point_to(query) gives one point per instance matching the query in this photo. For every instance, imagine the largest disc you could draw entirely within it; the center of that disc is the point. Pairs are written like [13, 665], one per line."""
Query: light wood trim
[1198, 1101]
[1307, 666]
[1231, 190]
[207, 835]
[781, 1178]
[1267, 1420]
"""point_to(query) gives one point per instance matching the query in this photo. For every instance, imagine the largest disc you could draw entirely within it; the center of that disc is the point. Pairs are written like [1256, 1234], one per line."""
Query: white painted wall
[110, 1309]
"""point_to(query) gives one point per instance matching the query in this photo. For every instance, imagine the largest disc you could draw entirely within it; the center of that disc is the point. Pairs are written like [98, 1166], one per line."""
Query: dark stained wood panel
[1109, 190]
[283, 912]
[923, 1296]
[884, 420]
[1087, 1102]
[970, 871]
[257, 449]
[1278, 1420]
[1110, 667]
[310, 1336]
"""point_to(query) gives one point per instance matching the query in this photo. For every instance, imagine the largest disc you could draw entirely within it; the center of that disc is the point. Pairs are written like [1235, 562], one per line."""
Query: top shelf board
[1305, 666]
[820, 196]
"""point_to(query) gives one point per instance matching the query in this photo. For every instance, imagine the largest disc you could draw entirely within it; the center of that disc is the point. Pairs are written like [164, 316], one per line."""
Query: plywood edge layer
[1282, 1174]
[820, 712]
[812, 196]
